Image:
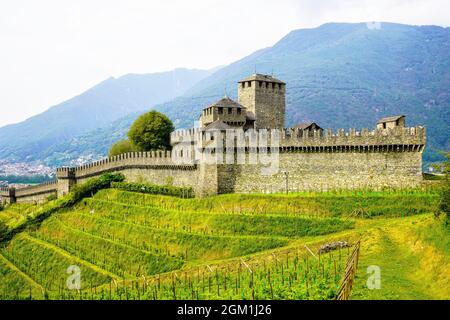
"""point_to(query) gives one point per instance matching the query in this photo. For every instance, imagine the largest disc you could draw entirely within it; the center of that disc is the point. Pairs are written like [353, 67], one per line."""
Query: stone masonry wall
[152, 167]
[310, 161]
[322, 171]
[36, 194]
[7, 195]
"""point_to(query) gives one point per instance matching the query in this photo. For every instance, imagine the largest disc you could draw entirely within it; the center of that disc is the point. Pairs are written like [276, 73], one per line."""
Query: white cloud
[52, 50]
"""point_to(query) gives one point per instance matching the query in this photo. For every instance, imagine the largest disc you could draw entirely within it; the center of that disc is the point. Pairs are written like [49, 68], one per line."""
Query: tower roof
[390, 119]
[306, 125]
[262, 77]
[217, 125]
[225, 103]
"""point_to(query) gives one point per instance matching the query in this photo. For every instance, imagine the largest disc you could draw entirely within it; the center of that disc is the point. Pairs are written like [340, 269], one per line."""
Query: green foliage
[182, 192]
[51, 197]
[285, 277]
[32, 217]
[184, 244]
[3, 230]
[149, 246]
[120, 147]
[151, 212]
[364, 204]
[151, 131]
[444, 203]
[47, 265]
[91, 187]
[113, 256]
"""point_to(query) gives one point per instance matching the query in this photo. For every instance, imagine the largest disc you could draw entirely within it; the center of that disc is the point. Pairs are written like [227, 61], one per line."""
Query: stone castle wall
[307, 160]
[322, 171]
[7, 195]
[153, 167]
[36, 194]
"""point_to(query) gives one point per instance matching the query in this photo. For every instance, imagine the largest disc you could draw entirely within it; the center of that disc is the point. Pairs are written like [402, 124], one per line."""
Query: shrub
[91, 187]
[444, 203]
[51, 197]
[183, 192]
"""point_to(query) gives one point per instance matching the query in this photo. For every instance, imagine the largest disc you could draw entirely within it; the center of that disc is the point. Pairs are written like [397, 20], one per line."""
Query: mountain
[110, 100]
[344, 75]
[340, 75]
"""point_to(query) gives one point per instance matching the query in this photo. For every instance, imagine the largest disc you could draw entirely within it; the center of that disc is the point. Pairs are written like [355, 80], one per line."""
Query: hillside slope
[135, 246]
[97, 107]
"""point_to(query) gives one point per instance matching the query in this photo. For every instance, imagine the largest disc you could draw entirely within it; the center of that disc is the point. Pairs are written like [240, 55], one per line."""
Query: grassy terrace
[130, 245]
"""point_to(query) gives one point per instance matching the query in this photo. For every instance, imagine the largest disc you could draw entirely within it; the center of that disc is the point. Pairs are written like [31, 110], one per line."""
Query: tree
[444, 203]
[122, 146]
[151, 131]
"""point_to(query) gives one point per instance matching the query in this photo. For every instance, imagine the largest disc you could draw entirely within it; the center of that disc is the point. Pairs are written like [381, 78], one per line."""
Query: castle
[244, 147]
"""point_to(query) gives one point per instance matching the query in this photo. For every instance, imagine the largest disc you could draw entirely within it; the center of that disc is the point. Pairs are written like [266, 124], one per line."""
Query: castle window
[273, 86]
[249, 84]
[238, 111]
[230, 110]
[279, 86]
[243, 85]
[220, 111]
[384, 125]
[397, 123]
[260, 83]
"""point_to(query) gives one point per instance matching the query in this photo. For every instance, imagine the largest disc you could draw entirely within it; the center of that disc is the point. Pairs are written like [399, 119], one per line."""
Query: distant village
[21, 170]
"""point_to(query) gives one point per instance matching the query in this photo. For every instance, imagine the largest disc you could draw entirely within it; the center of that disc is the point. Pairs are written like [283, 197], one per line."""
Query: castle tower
[264, 97]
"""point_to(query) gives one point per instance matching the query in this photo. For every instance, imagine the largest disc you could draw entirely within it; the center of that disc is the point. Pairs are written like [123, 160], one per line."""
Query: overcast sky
[51, 50]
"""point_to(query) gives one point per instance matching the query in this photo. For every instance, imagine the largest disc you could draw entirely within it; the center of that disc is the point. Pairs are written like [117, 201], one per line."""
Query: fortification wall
[322, 171]
[312, 160]
[399, 136]
[7, 195]
[36, 194]
[152, 167]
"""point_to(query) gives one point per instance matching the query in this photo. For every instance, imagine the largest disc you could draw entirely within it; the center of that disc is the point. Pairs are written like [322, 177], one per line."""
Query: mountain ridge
[340, 75]
[96, 107]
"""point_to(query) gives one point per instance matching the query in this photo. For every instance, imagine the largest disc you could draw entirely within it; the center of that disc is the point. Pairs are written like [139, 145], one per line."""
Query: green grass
[345, 203]
[413, 256]
[140, 246]
[47, 265]
[14, 215]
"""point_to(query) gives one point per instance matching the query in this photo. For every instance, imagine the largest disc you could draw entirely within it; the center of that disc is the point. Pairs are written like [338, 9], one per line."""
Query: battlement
[43, 188]
[152, 159]
[5, 191]
[294, 137]
[230, 153]
[353, 137]
[179, 135]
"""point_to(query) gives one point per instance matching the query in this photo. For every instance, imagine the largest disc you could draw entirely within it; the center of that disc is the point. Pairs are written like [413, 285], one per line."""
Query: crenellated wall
[319, 160]
[154, 167]
[7, 195]
[36, 194]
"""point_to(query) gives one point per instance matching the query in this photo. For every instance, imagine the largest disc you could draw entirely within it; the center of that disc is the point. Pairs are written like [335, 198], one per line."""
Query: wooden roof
[390, 119]
[306, 125]
[261, 77]
[225, 103]
[217, 125]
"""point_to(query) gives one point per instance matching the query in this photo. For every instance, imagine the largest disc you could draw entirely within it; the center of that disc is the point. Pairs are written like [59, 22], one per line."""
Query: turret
[264, 98]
